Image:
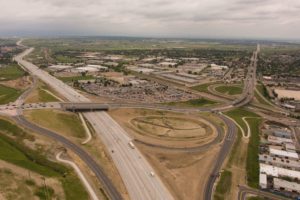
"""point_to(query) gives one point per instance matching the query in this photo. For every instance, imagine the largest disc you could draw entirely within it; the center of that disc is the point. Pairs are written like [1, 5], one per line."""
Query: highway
[134, 169]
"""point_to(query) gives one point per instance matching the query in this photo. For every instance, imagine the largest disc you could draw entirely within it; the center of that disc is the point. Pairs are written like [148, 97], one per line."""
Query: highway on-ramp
[136, 172]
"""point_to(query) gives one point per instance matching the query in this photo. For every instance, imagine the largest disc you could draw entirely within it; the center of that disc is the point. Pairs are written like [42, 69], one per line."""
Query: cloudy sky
[158, 18]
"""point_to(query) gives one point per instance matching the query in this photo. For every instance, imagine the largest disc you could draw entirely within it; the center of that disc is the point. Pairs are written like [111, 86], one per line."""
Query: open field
[42, 94]
[128, 43]
[283, 93]
[11, 72]
[17, 183]
[76, 78]
[8, 94]
[253, 151]
[229, 89]
[166, 128]
[171, 128]
[238, 164]
[203, 87]
[175, 168]
[194, 103]
[66, 123]
[18, 150]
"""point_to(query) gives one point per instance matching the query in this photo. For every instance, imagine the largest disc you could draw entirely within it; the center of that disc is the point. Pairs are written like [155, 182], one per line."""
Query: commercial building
[283, 134]
[279, 140]
[279, 162]
[278, 171]
[283, 154]
[263, 180]
[280, 184]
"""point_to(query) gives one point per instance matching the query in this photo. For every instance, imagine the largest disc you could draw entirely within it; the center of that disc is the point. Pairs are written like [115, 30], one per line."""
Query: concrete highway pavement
[134, 169]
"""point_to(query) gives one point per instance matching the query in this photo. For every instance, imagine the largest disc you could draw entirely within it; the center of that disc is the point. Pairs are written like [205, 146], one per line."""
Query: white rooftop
[280, 183]
[283, 153]
[263, 180]
[279, 140]
[278, 171]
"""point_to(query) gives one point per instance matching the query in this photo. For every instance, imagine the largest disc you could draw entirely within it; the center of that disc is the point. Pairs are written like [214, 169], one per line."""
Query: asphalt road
[225, 149]
[134, 169]
[132, 166]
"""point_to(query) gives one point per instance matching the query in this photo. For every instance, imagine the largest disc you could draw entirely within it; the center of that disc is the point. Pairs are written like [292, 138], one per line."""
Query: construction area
[177, 145]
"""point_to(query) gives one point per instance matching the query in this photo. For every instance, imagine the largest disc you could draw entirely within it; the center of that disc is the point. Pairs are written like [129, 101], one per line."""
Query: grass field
[203, 87]
[40, 94]
[194, 103]
[253, 151]
[229, 89]
[11, 72]
[15, 152]
[8, 94]
[252, 164]
[223, 185]
[67, 123]
[256, 198]
[45, 96]
[238, 114]
[76, 78]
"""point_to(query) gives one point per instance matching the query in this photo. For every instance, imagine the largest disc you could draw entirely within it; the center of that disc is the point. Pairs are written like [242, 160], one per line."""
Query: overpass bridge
[83, 107]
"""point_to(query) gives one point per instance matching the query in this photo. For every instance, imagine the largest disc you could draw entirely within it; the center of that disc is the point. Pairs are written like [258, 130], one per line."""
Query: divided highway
[136, 172]
[134, 169]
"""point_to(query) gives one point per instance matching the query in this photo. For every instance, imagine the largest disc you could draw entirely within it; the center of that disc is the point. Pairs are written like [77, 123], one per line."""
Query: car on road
[152, 174]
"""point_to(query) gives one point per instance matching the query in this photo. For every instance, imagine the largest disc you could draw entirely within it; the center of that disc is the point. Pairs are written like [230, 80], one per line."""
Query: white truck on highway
[131, 145]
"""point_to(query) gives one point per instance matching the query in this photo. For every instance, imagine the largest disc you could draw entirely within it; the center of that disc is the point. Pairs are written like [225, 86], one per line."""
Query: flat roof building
[284, 134]
[263, 181]
[279, 162]
[281, 184]
[278, 140]
[278, 171]
[284, 154]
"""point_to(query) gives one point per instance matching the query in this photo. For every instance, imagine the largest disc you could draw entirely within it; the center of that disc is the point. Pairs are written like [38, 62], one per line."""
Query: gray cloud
[202, 18]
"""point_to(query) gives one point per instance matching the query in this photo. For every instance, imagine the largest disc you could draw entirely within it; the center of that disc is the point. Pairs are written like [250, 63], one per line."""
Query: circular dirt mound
[171, 128]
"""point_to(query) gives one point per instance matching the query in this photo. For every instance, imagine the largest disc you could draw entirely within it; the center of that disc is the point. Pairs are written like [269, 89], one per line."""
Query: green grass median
[230, 89]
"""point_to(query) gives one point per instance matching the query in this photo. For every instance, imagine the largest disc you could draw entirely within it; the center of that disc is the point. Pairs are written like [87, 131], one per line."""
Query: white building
[283, 154]
[278, 171]
[279, 162]
[279, 140]
[263, 181]
[280, 184]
